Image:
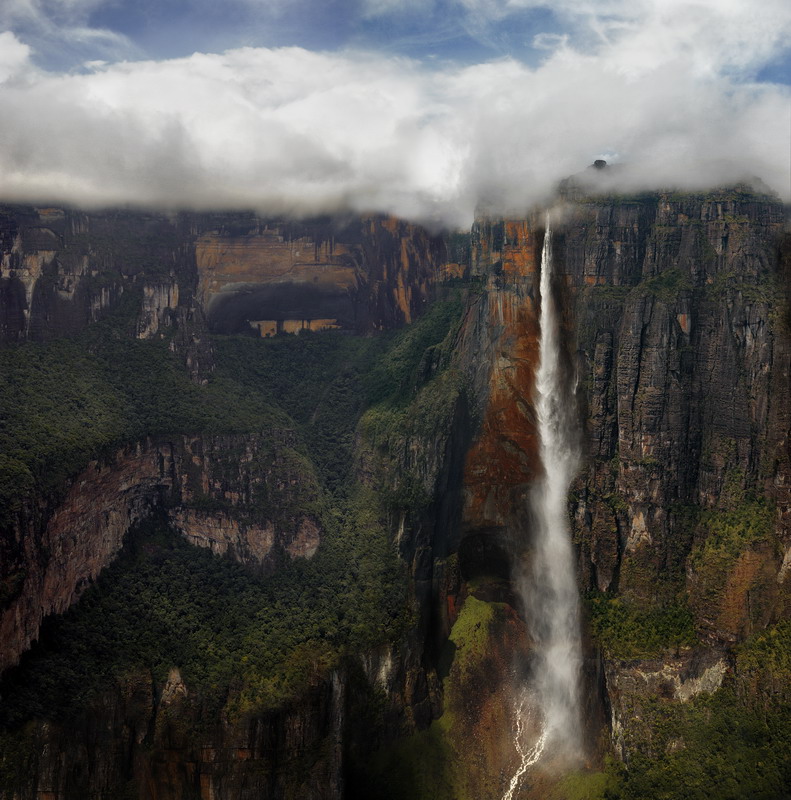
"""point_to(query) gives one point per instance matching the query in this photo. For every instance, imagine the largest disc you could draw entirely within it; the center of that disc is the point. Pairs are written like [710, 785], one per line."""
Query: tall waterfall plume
[549, 590]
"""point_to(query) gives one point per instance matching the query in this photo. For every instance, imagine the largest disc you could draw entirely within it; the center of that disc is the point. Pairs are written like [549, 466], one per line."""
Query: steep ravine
[675, 323]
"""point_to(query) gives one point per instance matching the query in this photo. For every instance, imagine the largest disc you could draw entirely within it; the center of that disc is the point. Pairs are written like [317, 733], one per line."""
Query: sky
[428, 109]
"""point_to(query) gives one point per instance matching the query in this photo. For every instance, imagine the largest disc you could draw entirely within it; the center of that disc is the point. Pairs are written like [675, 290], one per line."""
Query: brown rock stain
[519, 250]
[504, 457]
[451, 271]
[269, 327]
[748, 595]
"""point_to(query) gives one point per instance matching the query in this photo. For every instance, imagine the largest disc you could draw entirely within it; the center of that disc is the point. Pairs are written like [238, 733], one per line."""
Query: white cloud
[292, 130]
[14, 56]
[62, 26]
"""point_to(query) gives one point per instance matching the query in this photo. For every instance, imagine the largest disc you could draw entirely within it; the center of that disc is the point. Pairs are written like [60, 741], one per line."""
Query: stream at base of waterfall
[549, 589]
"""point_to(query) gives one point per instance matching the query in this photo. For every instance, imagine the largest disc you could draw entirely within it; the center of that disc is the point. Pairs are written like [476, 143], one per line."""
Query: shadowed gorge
[269, 492]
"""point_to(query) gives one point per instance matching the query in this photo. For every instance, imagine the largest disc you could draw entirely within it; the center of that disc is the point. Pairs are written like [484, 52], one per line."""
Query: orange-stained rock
[227, 261]
[271, 327]
[265, 327]
[519, 251]
[504, 456]
[748, 599]
[452, 270]
[503, 459]
[372, 272]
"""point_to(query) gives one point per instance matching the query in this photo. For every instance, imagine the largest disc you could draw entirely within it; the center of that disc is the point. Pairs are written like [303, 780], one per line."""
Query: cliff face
[149, 740]
[177, 279]
[62, 269]
[255, 497]
[676, 327]
[683, 360]
[210, 489]
[683, 356]
[503, 461]
[675, 324]
[373, 273]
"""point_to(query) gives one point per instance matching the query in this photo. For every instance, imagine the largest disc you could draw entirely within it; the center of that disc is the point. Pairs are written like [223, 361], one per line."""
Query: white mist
[550, 590]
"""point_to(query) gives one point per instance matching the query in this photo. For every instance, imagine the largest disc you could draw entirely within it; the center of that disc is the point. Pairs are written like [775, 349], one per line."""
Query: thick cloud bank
[664, 87]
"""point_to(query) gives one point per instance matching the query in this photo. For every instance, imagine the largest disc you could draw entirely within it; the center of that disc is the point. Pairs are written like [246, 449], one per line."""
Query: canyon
[409, 448]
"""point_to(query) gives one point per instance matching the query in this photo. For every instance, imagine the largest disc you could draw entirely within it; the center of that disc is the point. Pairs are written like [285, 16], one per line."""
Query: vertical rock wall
[680, 309]
[62, 269]
[683, 361]
[207, 486]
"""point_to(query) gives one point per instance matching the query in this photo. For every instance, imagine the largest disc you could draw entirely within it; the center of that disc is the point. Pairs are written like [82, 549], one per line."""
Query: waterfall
[553, 602]
[549, 590]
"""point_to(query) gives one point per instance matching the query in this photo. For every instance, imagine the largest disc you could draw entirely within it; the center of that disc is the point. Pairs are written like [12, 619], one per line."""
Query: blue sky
[65, 33]
[425, 108]
[430, 30]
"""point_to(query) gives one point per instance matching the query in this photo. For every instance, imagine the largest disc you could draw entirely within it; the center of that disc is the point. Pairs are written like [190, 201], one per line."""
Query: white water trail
[550, 592]
[528, 756]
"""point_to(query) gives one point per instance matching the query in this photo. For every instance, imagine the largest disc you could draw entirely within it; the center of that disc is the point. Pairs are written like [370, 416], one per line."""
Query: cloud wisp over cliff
[685, 95]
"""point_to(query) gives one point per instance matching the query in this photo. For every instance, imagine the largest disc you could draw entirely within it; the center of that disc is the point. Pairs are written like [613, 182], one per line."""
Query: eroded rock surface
[206, 486]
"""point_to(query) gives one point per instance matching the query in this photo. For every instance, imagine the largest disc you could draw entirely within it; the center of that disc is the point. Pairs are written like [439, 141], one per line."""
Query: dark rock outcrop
[683, 364]
[149, 740]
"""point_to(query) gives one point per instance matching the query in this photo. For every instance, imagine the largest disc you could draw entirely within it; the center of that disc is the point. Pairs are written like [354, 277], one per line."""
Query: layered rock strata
[62, 269]
[207, 486]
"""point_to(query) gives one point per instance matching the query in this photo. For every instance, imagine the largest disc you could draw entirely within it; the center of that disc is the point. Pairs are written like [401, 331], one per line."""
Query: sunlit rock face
[61, 269]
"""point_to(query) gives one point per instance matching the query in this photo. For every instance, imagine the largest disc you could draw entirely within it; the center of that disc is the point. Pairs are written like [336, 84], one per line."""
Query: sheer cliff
[679, 306]
[63, 269]
[372, 492]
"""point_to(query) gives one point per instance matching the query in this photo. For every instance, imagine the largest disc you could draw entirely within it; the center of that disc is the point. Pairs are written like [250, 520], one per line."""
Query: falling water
[528, 755]
[550, 591]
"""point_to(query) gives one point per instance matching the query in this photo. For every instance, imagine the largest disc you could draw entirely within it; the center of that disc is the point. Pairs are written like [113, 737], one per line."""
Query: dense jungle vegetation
[165, 603]
[733, 744]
